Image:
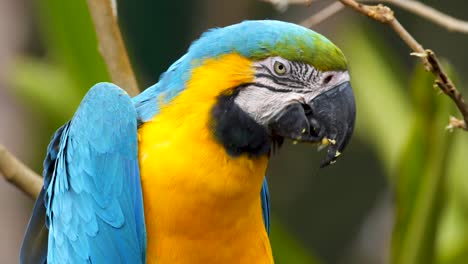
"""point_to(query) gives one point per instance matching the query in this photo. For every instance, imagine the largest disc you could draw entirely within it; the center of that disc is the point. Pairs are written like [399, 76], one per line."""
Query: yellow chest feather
[201, 205]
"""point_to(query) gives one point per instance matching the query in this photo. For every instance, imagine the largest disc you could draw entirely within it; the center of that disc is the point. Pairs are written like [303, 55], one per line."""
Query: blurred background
[398, 195]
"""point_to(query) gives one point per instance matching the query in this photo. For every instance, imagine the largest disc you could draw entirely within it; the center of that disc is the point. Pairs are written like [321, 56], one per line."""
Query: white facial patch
[275, 88]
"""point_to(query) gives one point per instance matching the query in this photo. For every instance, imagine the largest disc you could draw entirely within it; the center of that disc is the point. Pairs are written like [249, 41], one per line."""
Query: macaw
[176, 174]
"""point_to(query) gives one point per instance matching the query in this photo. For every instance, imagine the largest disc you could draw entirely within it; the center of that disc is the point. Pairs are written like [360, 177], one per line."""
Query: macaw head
[263, 81]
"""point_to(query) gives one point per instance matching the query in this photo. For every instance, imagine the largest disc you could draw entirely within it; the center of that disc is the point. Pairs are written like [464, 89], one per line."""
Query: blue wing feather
[93, 200]
[265, 198]
[34, 247]
[35, 243]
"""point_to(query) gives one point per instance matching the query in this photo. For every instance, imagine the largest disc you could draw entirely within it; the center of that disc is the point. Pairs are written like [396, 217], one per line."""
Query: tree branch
[323, 14]
[111, 45]
[448, 22]
[289, 2]
[282, 5]
[385, 15]
[19, 174]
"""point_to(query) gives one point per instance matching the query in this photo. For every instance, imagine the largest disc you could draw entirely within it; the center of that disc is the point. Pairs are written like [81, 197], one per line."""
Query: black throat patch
[236, 130]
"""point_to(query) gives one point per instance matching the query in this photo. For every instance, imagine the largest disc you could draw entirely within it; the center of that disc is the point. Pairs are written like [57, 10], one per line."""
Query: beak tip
[331, 158]
[337, 116]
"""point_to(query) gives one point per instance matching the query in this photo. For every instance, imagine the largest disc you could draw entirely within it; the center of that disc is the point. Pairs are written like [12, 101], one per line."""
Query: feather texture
[92, 193]
[265, 198]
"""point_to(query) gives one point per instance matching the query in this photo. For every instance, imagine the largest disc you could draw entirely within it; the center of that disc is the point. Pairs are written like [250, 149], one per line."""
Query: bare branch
[111, 45]
[282, 5]
[114, 7]
[19, 174]
[385, 15]
[448, 22]
[447, 86]
[323, 14]
[289, 2]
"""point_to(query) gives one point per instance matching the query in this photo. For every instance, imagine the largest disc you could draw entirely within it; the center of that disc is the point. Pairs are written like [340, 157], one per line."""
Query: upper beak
[328, 117]
[334, 112]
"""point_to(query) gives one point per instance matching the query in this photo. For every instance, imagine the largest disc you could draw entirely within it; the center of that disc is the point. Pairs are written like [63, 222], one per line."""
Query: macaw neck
[184, 145]
[197, 197]
[186, 129]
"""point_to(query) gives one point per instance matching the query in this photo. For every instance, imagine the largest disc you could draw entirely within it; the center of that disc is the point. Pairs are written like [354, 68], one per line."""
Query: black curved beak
[327, 118]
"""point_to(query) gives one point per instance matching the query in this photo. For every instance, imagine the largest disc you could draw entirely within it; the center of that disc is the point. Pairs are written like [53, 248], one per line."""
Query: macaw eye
[279, 68]
[327, 79]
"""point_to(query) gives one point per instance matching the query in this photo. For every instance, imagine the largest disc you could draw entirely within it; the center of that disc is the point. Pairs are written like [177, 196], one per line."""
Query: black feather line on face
[236, 130]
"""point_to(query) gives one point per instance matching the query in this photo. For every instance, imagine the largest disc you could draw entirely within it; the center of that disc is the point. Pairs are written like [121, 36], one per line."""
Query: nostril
[307, 109]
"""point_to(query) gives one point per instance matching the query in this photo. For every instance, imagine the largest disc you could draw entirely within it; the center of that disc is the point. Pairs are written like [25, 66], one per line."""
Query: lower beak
[328, 118]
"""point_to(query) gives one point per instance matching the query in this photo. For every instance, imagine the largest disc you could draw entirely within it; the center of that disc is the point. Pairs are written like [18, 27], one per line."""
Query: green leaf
[45, 88]
[71, 40]
[422, 173]
[452, 240]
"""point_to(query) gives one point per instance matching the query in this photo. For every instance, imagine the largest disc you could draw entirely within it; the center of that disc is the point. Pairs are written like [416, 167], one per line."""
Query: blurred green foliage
[380, 101]
[425, 164]
[37, 82]
[52, 87]
[422, 168]
[424, 161]
[69, 35]
[73, 64]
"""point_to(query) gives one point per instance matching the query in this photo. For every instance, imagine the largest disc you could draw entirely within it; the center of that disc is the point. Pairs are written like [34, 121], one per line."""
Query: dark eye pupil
[279, 68]
[327, 79]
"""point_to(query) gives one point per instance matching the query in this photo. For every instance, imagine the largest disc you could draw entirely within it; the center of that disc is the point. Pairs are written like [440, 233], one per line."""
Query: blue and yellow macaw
[176, 174]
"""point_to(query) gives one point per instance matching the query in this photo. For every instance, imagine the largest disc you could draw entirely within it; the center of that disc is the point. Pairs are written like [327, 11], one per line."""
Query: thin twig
[282, 5]
[431, 14]
[323, 14]
[19, 174]
[385, 15]
[111, 45]
[289, 2]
